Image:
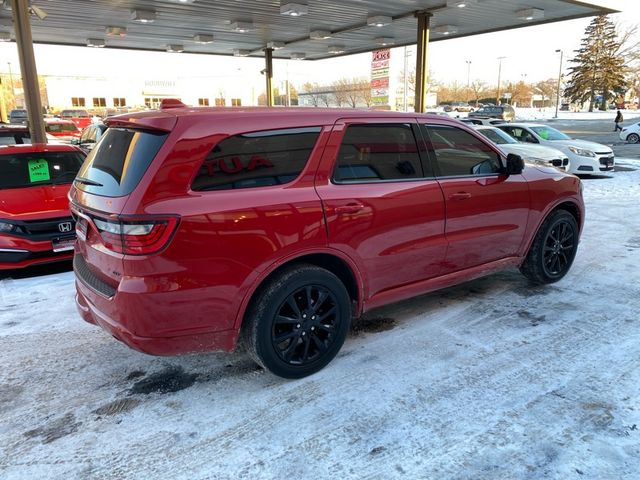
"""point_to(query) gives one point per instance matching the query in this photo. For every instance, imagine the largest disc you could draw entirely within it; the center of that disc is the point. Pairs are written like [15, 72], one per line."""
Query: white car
[631, 133]
[585, 157]
[529, 152]
[482, 121]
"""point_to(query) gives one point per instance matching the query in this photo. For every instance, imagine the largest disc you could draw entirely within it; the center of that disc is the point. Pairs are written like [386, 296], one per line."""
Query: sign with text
[38, 170]
[380, 77]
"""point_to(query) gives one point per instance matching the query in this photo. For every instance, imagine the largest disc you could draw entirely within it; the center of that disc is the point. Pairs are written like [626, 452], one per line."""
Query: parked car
[502, 112]
[80, 117]
[18, 116]
[585, 157]
[90, 136]
[19, 134]
[461, 107]
[540, 154]
[64, 130]
[35, 222]
[631, 133]
[481, 121]
[200, 227]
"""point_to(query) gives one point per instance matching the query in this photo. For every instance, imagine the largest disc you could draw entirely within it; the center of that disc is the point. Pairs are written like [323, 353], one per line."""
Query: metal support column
[422, 68]
[268, 73]
[24, 40]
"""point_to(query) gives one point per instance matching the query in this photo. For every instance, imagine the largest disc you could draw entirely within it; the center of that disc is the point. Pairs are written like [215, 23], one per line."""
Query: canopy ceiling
[177, 22]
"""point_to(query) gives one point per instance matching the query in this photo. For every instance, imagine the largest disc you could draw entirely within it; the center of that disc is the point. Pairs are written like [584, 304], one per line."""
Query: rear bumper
[125, 314]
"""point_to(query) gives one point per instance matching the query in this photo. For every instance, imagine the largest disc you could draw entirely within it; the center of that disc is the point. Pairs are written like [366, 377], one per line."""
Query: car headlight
[581, 152]
[6, 227]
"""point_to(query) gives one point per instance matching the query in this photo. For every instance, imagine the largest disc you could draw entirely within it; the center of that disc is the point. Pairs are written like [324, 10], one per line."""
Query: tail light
[139, 235]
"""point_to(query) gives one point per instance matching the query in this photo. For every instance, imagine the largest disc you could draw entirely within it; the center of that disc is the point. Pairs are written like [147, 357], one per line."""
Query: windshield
[20, 170]
[548, 133]
[118, 161]
[497, 136]
[74, 113]
[61, 127]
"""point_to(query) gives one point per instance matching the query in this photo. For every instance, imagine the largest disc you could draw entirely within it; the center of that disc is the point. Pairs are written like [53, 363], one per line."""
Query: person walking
[618, 121]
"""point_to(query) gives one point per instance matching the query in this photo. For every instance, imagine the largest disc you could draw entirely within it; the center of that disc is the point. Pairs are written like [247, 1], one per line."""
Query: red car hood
[35, 203]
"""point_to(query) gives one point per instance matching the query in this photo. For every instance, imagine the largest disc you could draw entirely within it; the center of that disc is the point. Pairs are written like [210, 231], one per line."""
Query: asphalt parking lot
[492, 379]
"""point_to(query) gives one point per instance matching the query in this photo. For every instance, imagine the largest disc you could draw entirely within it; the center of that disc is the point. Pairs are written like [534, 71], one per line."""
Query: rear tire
[298, 321]
[633, 138]
[553, 249]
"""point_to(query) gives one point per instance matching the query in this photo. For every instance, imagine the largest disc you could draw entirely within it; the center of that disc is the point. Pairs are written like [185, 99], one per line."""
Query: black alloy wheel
[633, 138]
[298, 321]
[558, 248]
[305, 325]
[553, 249]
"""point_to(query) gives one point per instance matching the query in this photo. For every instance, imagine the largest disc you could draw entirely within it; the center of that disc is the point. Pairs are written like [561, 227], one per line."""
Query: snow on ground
[493, 379]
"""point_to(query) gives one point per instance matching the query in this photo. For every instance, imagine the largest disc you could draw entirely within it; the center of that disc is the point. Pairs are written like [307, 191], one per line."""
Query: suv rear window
[118, 162]
[74, 113]
[257, 159]
[60, 127]
[38, 168]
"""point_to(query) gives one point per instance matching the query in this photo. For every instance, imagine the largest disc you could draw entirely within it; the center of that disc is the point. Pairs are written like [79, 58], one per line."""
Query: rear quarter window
[257, 159]
[118, 162]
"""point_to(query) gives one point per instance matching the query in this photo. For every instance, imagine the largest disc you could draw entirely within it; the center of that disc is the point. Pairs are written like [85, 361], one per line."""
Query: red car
[78, 116]
[200, 227]
[63, 130]
[35, 222]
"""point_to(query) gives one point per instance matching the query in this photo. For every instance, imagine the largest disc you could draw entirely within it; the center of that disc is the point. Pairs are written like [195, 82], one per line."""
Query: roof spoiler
[167, 103]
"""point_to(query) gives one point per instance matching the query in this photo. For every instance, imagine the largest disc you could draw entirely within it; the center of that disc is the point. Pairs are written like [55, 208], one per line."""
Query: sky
[529, 56]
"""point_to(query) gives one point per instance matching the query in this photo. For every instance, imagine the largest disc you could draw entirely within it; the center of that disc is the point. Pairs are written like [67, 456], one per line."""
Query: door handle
[460, 196]
[350, 208]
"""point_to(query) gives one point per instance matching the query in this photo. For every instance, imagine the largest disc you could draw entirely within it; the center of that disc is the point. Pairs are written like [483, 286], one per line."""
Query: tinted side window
[257, 159]
[458, 153]
[375, 152]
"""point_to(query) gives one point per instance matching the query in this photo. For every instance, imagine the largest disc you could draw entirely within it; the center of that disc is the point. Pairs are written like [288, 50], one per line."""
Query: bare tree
[479, 89]
[312, 93]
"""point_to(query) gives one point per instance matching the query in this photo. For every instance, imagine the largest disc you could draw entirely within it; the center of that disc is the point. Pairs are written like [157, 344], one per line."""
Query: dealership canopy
[298, 29]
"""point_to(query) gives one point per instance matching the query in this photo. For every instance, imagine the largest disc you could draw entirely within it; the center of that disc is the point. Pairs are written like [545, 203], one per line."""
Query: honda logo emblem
[65, 227]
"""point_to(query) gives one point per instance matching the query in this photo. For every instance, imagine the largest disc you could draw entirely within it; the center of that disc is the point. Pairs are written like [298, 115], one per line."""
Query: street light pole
[499, 72]
[468, 76]
[13, 90]
[559, 80]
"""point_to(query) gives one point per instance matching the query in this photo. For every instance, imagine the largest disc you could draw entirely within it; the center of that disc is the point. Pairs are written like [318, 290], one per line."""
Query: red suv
[35, 221]
[200, 227]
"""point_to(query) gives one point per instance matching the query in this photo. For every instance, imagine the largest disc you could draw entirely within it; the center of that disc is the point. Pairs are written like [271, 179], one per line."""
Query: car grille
[606, 161]
[89, 279]
[560, 162]
[45, 229]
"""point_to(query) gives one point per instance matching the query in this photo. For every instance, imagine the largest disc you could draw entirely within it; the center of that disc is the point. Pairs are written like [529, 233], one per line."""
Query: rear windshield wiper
[87, 181]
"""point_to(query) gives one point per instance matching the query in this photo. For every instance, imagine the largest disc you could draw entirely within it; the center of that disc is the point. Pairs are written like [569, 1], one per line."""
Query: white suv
[585, 157]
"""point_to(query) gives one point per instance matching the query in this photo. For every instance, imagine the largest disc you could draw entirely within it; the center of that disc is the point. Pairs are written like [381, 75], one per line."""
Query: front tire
[553, 249]
[633, 138]
[298, 321]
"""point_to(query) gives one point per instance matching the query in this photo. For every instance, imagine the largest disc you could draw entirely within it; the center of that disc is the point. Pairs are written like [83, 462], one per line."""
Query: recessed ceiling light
[379, 21]
[182, 1]
[335, 49]
[460, 3]
[116, 31]
[5, 36]
[203, 38]
[446, 29]
[143, 16]
[174, 48]
[298, 56]
[319, 34]
[294, 9]
[275, 45]
[239, 52]
[242, 27]
[384, 41]
[530, 14]
[95, 42]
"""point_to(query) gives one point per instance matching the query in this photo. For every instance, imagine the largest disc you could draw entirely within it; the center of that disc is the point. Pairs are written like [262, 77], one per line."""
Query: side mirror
[75, 141]
[515, 164]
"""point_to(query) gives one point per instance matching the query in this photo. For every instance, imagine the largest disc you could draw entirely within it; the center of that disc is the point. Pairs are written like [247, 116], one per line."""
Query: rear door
[382, 208]
[486, 209]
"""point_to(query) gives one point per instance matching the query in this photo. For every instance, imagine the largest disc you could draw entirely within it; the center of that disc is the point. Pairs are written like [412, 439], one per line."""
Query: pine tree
[599, 68]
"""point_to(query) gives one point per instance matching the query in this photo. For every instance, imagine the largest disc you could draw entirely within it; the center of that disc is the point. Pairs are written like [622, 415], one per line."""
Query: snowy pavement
[493, 379]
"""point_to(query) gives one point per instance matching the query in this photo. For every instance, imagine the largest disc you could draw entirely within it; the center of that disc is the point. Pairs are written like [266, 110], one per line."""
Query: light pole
[468, 75]
[499, 72]
[559, 79]
[13, 90]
